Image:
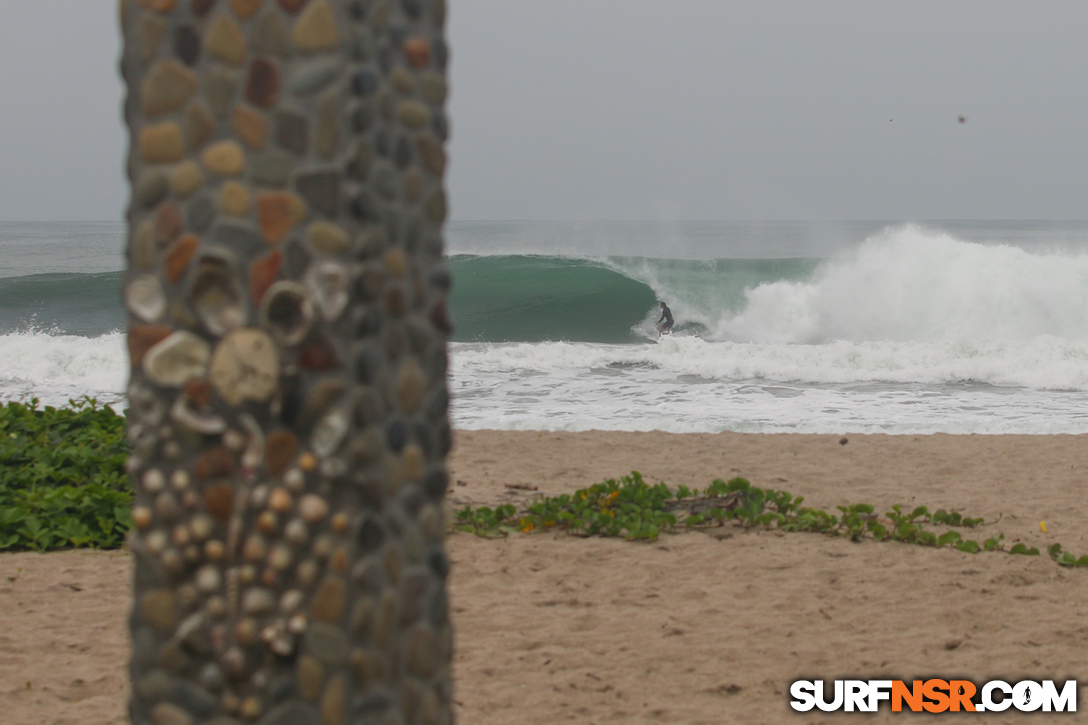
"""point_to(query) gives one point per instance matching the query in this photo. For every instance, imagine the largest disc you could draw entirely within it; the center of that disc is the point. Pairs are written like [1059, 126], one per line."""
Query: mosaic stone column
[286, 293]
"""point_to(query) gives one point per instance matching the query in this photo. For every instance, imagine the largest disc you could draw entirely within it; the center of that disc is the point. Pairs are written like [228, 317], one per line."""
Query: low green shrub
[62, 477]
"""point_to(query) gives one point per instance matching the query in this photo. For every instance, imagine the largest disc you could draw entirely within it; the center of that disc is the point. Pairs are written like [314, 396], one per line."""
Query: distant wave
[908, 284]
[532, 299]
[905, 285]
[67, 304]
[526, 298]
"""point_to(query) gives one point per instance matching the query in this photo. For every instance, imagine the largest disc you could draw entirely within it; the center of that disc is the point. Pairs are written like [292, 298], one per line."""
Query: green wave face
[532, 299]
[513, 298]
[609, 300]
[68, 303]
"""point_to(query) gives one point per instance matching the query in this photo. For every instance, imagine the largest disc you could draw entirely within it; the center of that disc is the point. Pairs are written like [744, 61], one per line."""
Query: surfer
[664, 324]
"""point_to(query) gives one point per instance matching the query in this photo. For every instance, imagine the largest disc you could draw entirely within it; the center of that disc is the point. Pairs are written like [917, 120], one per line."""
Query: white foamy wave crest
[56, 368]
[913, 285]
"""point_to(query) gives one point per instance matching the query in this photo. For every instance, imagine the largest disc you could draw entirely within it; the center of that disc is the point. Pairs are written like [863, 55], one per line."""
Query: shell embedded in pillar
[287, 312]
[245, 366]
[144, 297]
[216, 296]
[174, 361]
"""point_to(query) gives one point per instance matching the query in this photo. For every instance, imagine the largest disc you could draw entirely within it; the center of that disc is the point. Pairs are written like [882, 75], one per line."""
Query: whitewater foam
[57, 368]
[686, 385]
[1046, 363]
[914, 285]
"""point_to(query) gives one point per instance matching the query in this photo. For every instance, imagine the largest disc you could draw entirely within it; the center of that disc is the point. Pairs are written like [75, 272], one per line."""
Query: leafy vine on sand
[636, 510]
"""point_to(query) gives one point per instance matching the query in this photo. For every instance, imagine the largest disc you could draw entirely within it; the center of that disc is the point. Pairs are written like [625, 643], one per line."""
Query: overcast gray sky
[655, 109]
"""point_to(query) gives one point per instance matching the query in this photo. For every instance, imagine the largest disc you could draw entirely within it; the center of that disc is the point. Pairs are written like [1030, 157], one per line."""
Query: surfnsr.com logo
[934, 695]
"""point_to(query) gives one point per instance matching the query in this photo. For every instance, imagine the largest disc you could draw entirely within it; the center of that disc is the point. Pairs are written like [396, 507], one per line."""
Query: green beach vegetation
[63, 485]
[636, 510]
[62, 477]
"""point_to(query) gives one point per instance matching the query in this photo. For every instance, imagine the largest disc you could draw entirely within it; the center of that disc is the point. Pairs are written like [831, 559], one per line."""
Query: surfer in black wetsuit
[665, 323]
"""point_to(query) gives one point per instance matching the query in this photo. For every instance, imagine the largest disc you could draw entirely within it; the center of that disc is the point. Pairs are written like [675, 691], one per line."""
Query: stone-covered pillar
[286, 293]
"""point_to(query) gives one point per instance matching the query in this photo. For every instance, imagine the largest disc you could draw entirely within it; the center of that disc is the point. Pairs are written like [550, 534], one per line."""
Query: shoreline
[700, 627]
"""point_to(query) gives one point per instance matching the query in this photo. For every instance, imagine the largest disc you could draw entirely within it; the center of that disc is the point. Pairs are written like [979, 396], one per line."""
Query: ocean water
[957, 327]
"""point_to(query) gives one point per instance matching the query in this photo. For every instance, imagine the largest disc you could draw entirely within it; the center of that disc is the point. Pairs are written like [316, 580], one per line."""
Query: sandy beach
[704, 627]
